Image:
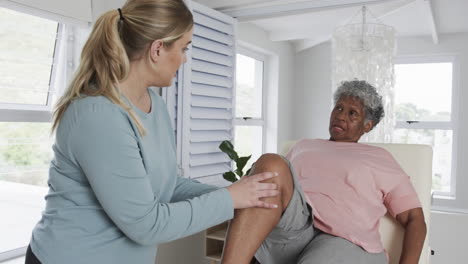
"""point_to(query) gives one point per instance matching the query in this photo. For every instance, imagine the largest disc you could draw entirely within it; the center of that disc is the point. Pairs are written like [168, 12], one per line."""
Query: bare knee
[271, 162]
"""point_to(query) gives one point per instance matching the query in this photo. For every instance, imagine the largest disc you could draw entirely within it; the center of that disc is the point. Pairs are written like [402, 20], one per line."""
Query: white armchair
[416, 161]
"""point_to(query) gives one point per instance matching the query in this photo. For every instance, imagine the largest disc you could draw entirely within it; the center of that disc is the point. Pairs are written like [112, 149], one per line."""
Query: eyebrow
[189, 42]
[357, 109]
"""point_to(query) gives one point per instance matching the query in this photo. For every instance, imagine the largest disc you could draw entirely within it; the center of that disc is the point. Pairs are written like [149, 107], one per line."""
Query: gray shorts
[294, 239]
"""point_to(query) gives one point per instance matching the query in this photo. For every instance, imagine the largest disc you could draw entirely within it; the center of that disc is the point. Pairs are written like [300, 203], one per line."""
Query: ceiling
[308, 23]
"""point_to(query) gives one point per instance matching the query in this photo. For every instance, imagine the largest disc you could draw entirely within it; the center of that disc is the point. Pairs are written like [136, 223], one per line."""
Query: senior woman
[332, 196]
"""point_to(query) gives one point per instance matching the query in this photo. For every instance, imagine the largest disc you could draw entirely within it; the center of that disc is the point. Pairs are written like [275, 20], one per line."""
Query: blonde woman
[114, 191]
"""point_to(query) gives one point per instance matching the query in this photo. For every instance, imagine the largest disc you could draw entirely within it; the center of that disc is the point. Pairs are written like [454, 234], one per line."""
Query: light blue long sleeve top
[113, 194]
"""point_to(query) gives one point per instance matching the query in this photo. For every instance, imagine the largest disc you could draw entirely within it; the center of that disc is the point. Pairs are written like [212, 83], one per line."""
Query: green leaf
[230, 176]
[240, 163]
[227, 147]
[248, 171]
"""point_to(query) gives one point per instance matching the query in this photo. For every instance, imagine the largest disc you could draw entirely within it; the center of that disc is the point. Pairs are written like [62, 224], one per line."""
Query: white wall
[101, 6]
[285, 79]
[449, 238]
[448, 232]
[312, 94]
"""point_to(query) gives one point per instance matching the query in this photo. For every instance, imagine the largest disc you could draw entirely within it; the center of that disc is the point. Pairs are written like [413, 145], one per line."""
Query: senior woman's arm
[415, 233]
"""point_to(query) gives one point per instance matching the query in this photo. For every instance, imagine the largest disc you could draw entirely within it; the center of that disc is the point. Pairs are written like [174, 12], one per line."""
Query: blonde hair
[116, 40]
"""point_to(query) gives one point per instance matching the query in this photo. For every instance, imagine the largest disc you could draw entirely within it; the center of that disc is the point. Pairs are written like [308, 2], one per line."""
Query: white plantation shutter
[207, 96]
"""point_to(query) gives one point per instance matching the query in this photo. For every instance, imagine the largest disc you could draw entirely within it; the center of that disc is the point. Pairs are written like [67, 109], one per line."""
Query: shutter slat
[212, 46]
[204, 124]
[206, 55]
[207, 67]
[208, 113]
[213, 23]
[204, 147]
[209, 33]
[213, 91]
[210, 79]
[211, 102]
[206, 159]
[209, 136]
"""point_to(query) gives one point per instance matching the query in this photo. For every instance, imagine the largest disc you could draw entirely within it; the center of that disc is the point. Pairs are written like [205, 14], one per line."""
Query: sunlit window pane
[26, 55]
[249, 142]
[249, 84]
[423, 92]
[441, 141]
[25, 154]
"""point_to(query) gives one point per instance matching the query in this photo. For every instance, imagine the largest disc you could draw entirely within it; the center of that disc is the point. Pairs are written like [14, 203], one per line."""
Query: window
[26, 59]
[250, 115]
[28, 56]
[426, 113]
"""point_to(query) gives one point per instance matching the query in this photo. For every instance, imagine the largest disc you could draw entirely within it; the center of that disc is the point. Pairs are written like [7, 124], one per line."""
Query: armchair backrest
[416, 161]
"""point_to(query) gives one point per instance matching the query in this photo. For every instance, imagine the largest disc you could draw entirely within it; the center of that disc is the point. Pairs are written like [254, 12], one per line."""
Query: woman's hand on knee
[247, 191]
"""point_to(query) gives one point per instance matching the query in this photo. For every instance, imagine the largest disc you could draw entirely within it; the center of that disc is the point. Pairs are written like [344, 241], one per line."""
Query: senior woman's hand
[247, 191]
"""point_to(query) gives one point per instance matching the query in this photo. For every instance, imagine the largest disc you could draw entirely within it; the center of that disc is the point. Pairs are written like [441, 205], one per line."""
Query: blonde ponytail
[114, 41]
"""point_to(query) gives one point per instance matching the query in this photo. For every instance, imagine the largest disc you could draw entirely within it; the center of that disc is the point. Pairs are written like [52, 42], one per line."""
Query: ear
[368, 126]
[155, 50]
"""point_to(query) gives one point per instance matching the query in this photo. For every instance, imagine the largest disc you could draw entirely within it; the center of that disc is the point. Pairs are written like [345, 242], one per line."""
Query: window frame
[254, 121]
[443, 201]
[16, 112]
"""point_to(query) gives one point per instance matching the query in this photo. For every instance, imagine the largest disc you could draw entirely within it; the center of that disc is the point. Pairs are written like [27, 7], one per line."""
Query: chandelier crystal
[365, 51]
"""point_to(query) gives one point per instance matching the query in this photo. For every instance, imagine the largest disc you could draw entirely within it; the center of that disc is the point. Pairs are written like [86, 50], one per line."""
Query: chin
[169, 83]
[164, 83]
[338, 138]
[335, 136]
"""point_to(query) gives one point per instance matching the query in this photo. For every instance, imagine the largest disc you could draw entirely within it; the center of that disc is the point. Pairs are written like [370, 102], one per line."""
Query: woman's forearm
[415, 233]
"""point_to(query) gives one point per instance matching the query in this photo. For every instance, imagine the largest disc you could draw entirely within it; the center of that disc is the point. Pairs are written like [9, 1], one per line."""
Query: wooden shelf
[216, 257]
[214, 242]
[218, 235]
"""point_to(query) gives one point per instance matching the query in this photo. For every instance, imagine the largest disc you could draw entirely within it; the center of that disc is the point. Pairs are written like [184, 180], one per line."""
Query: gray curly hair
[372, 101]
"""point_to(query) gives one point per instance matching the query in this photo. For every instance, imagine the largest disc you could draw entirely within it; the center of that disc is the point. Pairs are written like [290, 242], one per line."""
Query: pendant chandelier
[365, 50]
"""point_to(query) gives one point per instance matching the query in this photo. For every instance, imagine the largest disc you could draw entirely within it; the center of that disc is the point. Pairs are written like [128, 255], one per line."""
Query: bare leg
[251, 226]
